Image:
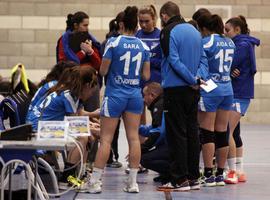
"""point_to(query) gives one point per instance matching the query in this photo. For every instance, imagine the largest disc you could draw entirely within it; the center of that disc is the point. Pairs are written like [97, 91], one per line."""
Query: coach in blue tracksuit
[183, 53]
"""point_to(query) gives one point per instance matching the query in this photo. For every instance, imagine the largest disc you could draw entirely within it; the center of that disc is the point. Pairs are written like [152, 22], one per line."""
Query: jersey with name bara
[220, 52]
[127, 55]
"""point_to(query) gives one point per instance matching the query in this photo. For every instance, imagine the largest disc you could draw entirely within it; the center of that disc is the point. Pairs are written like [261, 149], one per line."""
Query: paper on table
[210, 86]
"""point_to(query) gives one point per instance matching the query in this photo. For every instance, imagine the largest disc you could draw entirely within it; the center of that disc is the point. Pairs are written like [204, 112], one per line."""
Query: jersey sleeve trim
[73, 104]
[112, 44]
[210, 42]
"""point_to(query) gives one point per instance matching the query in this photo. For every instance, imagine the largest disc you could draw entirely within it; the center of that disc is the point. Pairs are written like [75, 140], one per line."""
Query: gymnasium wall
[29, 30]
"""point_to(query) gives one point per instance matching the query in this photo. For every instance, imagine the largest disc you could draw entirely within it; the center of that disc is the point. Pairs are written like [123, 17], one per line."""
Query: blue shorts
[212, 104]
[240, 105]
[115, 106]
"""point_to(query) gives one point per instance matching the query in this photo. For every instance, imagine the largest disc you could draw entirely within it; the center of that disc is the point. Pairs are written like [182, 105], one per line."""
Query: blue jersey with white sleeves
[127, 55]
[219, 51]
[53, 107]
[41, 93]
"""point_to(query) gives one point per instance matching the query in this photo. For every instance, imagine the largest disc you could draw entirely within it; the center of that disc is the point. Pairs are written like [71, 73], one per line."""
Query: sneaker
[94, 188]
[220, 180]
[231, 177]
[84, 187]
[131, 188]
[166, 187]
[142, 170]
[114, 164]
[183, 187]
[194, 184]
[208, 182]
[241, 177]
[169, 187]
[65, 184]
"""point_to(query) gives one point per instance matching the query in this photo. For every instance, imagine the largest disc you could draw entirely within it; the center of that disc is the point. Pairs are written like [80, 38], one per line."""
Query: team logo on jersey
[215, 77]
[154, 45]
[120, 80]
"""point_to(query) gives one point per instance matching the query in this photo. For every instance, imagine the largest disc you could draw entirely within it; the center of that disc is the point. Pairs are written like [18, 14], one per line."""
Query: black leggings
[237, 137]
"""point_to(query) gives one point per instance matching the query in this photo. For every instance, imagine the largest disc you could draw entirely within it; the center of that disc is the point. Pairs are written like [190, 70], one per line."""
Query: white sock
[232, 163]
[132, 178]
[239, 164]
[96, 175]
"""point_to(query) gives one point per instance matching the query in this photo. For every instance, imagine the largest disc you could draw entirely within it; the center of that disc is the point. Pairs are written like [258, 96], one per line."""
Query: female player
[125, 61]
[215, 106]
[242, 73]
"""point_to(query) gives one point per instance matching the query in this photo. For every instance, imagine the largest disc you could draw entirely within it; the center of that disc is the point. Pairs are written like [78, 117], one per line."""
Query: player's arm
[146, 71]
[104, 68]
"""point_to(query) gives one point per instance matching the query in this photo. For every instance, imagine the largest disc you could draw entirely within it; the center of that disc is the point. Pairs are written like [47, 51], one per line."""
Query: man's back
[185, 53]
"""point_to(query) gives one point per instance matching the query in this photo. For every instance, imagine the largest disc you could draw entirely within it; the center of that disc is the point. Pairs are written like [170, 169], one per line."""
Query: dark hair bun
[131, 11]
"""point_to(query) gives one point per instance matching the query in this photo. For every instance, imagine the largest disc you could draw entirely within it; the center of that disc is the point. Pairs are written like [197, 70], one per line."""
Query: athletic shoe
[194, 184]
[241, 177]
[69, 182]
[86, 187]
[131, 188]
[231, 177]
[220, 180]
[166, 187]
[182, 187]
[93, 188]
[208, 182]
[114, 164]
[141, 170]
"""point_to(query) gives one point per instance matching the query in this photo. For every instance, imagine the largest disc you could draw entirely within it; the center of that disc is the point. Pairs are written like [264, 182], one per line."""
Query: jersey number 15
[224, 58]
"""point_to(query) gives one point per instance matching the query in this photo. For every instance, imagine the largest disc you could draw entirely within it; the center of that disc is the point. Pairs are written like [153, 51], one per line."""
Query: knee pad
[221, 139]
[237, 137]
[207, 136]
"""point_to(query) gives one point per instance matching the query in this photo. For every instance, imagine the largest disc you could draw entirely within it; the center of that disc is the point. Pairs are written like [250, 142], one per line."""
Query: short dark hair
[170, 8]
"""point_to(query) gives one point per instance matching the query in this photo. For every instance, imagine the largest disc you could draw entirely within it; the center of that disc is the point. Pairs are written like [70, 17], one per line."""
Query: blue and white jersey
[40, 94]
[127, 55]
[220, 52]
[53, 107]
[152, 41]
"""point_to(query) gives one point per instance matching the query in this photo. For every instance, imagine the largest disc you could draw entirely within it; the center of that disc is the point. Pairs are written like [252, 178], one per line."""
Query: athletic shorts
[115, 106]
[240, 105]
[212, 104]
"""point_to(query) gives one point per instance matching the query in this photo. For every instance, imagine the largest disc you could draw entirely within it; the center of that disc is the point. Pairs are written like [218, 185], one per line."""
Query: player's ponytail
[130, 18]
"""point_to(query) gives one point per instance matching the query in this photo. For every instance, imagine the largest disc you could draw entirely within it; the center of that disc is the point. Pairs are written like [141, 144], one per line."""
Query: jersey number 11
[137, 59]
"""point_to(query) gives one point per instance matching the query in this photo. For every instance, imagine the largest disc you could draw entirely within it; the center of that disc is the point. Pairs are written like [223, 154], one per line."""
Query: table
[49, 145]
